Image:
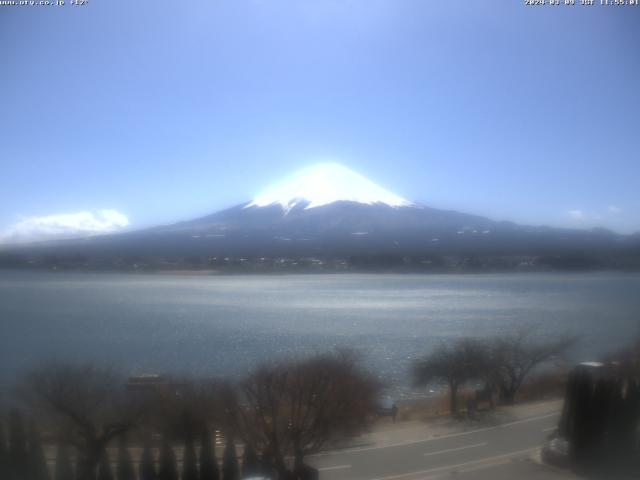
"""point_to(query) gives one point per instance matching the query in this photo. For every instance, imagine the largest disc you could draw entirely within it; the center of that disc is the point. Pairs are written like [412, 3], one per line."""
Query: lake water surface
[225, 325]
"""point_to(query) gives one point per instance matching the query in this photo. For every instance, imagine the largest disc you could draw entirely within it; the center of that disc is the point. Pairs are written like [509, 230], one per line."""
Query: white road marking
[480, 461]
[475, 445]
[336, 467]
[525, 420]
[432, 439]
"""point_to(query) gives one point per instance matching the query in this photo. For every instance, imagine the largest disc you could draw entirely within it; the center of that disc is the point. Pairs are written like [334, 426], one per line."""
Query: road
[497, 447]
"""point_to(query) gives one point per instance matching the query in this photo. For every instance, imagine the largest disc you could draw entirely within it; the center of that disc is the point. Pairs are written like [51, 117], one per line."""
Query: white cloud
[65, 225]
[577, 214]
[614, 209]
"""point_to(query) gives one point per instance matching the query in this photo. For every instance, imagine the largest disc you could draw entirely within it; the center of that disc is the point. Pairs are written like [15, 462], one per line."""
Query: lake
[226, 325]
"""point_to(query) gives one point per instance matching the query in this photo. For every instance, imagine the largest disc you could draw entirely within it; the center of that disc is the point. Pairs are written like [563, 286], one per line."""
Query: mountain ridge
[340, 229]
[316, 215]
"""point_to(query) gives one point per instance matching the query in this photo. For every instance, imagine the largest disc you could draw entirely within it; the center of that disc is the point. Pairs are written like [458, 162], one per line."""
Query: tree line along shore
[454, 263]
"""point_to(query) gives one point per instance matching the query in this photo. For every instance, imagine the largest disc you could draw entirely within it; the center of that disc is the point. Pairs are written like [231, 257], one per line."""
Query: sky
[120, 114]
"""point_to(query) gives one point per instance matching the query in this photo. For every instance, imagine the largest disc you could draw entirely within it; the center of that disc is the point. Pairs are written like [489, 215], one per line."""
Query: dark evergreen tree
[147, 467]
[189, 461]
[230, 470]
[168, 465]
[208, 462]
[250, 462]
[37, 460]
[4, 454]
[18, 454]
[124, 469]
[306, 472]
[266, 464]
[63, 469]
[104, 467]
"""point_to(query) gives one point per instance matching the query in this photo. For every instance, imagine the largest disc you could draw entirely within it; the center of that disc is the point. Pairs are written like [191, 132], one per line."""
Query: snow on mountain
[326, 183]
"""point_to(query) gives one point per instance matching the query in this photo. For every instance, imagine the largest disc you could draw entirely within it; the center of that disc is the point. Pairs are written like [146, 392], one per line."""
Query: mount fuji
[328, 211]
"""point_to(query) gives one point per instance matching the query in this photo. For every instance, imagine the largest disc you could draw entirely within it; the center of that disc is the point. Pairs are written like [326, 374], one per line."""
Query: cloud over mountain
[65, 225]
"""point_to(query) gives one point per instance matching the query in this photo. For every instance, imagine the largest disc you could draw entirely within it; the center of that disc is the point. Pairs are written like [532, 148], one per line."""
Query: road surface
[499, 447]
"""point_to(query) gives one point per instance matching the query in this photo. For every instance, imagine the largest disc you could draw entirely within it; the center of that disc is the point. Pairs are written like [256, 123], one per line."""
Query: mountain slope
[338, 229]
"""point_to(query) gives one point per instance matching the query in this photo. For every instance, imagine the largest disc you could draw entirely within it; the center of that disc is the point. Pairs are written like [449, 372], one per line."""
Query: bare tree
[513, 357]
[86, 405]
[185, 414]
[455, 364]
[296, 408]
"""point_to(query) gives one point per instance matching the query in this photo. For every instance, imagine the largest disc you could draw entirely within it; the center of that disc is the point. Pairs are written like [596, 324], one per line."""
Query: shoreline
[319, 273]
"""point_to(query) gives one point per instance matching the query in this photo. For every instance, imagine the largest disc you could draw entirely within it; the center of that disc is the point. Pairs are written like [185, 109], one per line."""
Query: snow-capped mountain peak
[326, 183]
